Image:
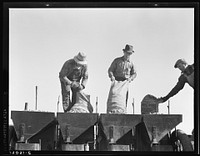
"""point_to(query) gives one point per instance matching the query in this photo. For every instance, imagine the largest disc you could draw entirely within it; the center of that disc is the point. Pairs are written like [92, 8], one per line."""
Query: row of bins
[89, 131]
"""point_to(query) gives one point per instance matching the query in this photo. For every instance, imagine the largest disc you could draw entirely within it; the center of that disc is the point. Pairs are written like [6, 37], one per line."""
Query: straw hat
[80, 58]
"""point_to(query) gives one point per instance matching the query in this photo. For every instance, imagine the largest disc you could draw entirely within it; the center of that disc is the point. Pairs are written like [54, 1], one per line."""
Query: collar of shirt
[123, 58]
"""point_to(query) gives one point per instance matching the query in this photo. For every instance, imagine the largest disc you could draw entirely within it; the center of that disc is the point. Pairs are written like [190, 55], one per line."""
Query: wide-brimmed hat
[180, 61]
[80, 58]
[128, 49]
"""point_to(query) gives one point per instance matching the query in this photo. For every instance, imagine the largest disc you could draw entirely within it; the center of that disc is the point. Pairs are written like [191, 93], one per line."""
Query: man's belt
[120, 78]
[74, 79]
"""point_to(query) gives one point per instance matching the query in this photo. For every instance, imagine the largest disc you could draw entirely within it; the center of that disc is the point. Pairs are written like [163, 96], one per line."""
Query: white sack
[116, 102]
[82, 104]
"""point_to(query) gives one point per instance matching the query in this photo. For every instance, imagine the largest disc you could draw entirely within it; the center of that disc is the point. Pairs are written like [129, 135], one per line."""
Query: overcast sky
[41, 40]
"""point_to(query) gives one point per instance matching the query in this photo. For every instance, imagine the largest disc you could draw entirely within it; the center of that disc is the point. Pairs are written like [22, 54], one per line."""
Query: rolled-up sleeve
[64, 71]
[133, 72]
[85, 75]
[112, 68]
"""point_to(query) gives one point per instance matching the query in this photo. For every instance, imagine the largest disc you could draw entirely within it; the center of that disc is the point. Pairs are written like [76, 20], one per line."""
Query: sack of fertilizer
[149, 104]
[82, 104]
[116, 102]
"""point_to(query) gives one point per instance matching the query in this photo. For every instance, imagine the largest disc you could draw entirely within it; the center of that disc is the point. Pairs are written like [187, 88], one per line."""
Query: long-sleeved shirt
[122, 68]
[187, 76]
[70, 71]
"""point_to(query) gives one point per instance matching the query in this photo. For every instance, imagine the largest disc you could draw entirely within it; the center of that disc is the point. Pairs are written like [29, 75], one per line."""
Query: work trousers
[67, 102]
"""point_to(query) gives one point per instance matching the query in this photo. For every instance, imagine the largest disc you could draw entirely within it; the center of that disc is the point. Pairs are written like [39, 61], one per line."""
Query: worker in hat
[187, 76]
[73, 77]
[122, 68]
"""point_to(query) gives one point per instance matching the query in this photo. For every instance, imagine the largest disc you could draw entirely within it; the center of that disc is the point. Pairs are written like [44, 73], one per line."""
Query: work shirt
[74, 72]
[121, 68]
[187, 76]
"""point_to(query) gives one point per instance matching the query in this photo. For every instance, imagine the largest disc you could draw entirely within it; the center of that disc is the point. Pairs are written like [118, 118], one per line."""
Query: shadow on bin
[27, 124]
[77, 128]
[117, 131]
[153, 129]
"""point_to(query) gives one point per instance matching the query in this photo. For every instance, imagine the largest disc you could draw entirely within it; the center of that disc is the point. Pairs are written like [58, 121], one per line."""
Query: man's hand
[74, 84]
[112, 78]
[129, 79]
[160, 100]
[80, 87]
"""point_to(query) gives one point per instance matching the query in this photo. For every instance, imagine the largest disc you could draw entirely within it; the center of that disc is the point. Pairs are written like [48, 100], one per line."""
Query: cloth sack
[82, 104]
[116, 102]
[149, 104]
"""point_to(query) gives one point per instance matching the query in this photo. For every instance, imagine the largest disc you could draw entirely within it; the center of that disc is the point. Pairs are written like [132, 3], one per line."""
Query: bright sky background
[41, 40]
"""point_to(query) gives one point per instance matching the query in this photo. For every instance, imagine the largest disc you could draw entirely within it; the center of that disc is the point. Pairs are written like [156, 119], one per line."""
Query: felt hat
[128, 49]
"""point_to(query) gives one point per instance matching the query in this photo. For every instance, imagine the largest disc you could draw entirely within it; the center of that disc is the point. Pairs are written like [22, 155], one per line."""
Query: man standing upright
[73, 77]
[121, 70]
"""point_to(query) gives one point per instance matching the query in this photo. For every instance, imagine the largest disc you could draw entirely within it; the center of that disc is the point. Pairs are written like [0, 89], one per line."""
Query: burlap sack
[82, 104]
[116, 102]
[149, 104]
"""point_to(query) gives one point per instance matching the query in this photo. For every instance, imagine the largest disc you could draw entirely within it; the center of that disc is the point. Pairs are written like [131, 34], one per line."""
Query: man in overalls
[73, 77]
[187, 76]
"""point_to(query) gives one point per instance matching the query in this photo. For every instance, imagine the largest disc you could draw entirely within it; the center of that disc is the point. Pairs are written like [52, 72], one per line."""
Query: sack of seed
[149, 104]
